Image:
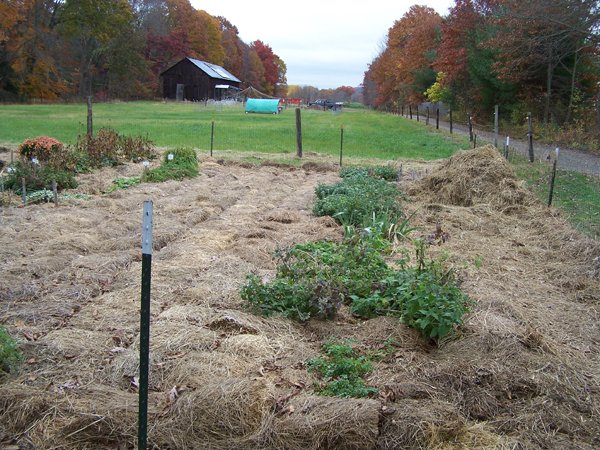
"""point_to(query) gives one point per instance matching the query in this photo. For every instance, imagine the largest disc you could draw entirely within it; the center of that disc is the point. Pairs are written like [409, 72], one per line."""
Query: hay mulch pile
[524, 372]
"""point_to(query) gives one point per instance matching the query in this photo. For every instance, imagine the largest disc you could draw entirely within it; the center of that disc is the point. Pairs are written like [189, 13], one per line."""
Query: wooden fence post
[417, 113]
[450, 121]
[437, 118]
[530, 137]
[496, 126]
[90, 130]
[298, 133]
[341, 143]
[553, 178]
[212, 137]
[410, 111]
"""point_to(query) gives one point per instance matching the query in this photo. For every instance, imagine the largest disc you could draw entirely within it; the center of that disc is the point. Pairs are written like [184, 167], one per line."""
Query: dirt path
[569, 159]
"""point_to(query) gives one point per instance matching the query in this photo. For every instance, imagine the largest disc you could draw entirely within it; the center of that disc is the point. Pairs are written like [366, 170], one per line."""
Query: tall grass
[366, 133]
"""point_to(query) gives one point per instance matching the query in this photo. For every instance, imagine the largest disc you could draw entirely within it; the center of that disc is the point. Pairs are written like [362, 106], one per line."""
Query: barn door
[179, 93]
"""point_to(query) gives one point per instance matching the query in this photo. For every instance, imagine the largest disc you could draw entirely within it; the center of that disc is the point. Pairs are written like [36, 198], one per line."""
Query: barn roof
[214, 71]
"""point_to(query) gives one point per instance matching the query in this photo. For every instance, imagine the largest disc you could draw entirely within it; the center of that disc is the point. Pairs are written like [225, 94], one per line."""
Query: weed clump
[342, 370]
[355, 199]
[10, 354]
[176, 165]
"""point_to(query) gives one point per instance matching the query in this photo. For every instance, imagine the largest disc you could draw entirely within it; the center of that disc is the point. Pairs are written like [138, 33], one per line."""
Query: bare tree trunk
[549, 71]
[572, 94]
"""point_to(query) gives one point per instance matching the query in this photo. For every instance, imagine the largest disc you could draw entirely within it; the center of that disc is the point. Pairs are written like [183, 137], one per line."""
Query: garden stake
[23, 191]
[145, 324]
[55, 192]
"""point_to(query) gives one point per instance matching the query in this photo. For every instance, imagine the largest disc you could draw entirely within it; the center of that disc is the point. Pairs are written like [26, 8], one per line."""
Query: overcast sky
[324, 43]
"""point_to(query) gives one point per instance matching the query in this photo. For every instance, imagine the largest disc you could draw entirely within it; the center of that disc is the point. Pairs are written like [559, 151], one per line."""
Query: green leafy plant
[387, 173]
[10, 355]
[176, 165]
[426, 297]
[123, 183]
[315, 279]
[38, 177]
[341, 370]
[355, 199]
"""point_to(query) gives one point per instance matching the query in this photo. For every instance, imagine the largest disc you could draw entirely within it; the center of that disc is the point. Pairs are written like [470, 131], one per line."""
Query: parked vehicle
[325, 104]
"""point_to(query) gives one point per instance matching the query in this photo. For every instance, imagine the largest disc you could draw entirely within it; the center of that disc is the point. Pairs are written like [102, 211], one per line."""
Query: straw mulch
[524, 371]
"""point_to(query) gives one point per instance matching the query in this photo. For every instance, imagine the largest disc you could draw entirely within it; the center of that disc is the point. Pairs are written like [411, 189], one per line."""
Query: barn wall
[198, 85]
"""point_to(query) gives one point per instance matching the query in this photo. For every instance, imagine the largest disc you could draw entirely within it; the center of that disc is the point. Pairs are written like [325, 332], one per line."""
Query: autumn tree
[403, 70]
[91, 25]
[31, 49]
[274, 70]
[552, 49]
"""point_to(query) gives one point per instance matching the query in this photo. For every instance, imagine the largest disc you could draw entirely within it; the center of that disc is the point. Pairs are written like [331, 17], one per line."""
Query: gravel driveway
[569, 159]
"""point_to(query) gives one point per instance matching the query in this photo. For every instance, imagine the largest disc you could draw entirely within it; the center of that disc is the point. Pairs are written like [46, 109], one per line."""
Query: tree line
[57, 49]
[526, 56]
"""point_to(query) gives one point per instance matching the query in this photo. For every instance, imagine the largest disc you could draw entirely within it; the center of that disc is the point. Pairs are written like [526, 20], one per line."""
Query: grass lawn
[578, 195]
[366, 133]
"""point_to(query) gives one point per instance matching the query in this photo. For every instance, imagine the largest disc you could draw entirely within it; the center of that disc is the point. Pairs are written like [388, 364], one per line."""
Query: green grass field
[578, 195]
[366, 133]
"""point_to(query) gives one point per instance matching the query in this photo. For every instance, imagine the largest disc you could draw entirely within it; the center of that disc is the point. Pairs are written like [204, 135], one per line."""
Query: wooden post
[437, 118]
[450, 121]
[298, 133]
[341, 143]
[553, 178]
[145, 325]
[417, 113]
[12, 159]
[474, 140]
[212, 137]
[410, 111]
[427, 116]
[23, 191]
[402, 111]
[470, 128]
[506, 147]
[496, 126]
[90, 130]
[530, 137]
[55, 192]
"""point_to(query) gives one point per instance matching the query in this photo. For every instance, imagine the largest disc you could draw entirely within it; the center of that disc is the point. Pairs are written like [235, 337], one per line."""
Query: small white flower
[10, 169]
[170, 156]
[35, 161]
[146, 163]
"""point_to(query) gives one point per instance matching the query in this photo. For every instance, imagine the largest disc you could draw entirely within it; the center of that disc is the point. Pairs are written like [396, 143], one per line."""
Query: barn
[192, 79]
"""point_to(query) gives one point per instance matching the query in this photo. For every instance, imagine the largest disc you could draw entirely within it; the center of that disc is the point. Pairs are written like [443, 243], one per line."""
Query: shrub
[176, 165]
[38, 177]
[342, 370]
[108, 148]
[42, 147]
[10, 355]
[355, 199]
